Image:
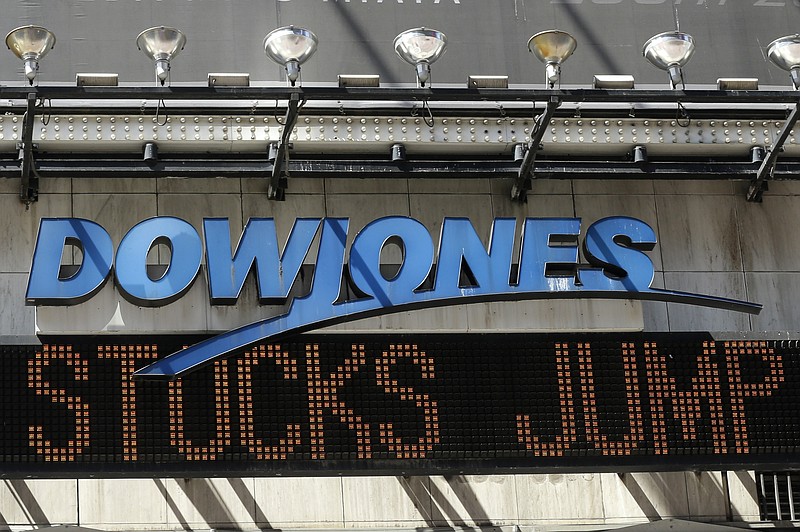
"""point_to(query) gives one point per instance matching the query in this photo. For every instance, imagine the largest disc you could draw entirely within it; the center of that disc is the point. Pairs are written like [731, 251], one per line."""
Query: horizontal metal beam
[462, 169]
[335, 93]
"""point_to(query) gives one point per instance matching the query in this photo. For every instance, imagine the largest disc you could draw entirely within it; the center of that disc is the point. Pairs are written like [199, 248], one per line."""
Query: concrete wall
[710, 241]
[528, 501]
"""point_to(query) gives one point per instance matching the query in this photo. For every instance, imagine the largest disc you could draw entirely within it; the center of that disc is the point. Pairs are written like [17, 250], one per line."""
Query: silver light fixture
[552, 47]
[670, 51]
[30, 43]
[785, 53]
[161, 44]
[421, 47]
[290, 47]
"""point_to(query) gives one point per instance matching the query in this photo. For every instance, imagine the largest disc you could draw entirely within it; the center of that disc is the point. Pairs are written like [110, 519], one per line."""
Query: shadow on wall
[645, 502]
[26, 501]
[437, 509]
[748, 483]
[707, 495]
[439, 502]
[211, 505]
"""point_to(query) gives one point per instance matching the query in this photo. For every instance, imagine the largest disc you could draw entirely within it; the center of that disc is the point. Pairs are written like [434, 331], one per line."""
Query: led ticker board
[392, 404]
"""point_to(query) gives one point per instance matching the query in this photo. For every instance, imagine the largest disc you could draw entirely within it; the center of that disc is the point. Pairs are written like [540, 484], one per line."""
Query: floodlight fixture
[161, 44]
[421, 47]
[670, 51]
[785, 53]
[30, 43]
[552, 47]
[290, 47]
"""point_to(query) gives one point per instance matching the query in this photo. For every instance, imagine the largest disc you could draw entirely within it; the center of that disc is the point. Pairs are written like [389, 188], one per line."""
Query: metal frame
[525, 176]
[767, 169]
[336, 94]
[29, 185]
[277, 182]
[355, 100]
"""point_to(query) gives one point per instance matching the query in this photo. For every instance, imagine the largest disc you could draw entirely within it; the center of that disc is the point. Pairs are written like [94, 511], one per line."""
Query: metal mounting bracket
[524, 180]
[29, 185]
[767, 169]
[278, 181]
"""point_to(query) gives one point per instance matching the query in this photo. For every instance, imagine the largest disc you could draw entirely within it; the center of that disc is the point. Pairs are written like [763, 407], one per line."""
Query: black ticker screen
[403, 404]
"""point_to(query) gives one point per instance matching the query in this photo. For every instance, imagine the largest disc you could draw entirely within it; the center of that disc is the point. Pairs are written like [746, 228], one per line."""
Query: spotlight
[420, 47]
[161, 44]
[670, 51]
[30, 43]
[785, 53]
[552, 47]
[290, 47]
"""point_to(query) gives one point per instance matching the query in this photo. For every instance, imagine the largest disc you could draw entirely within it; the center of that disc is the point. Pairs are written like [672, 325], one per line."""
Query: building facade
[513, 411]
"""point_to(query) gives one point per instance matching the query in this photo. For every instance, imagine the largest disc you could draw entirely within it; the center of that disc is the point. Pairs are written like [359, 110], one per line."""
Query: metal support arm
[523, 183]
[29, 185]
[767, 169]
[277, 181]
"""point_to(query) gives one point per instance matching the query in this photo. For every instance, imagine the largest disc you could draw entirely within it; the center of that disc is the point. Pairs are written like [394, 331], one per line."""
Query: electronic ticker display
[403, 404]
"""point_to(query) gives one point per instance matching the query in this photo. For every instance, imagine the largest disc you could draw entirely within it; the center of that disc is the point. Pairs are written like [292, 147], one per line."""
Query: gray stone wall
[710, 240]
